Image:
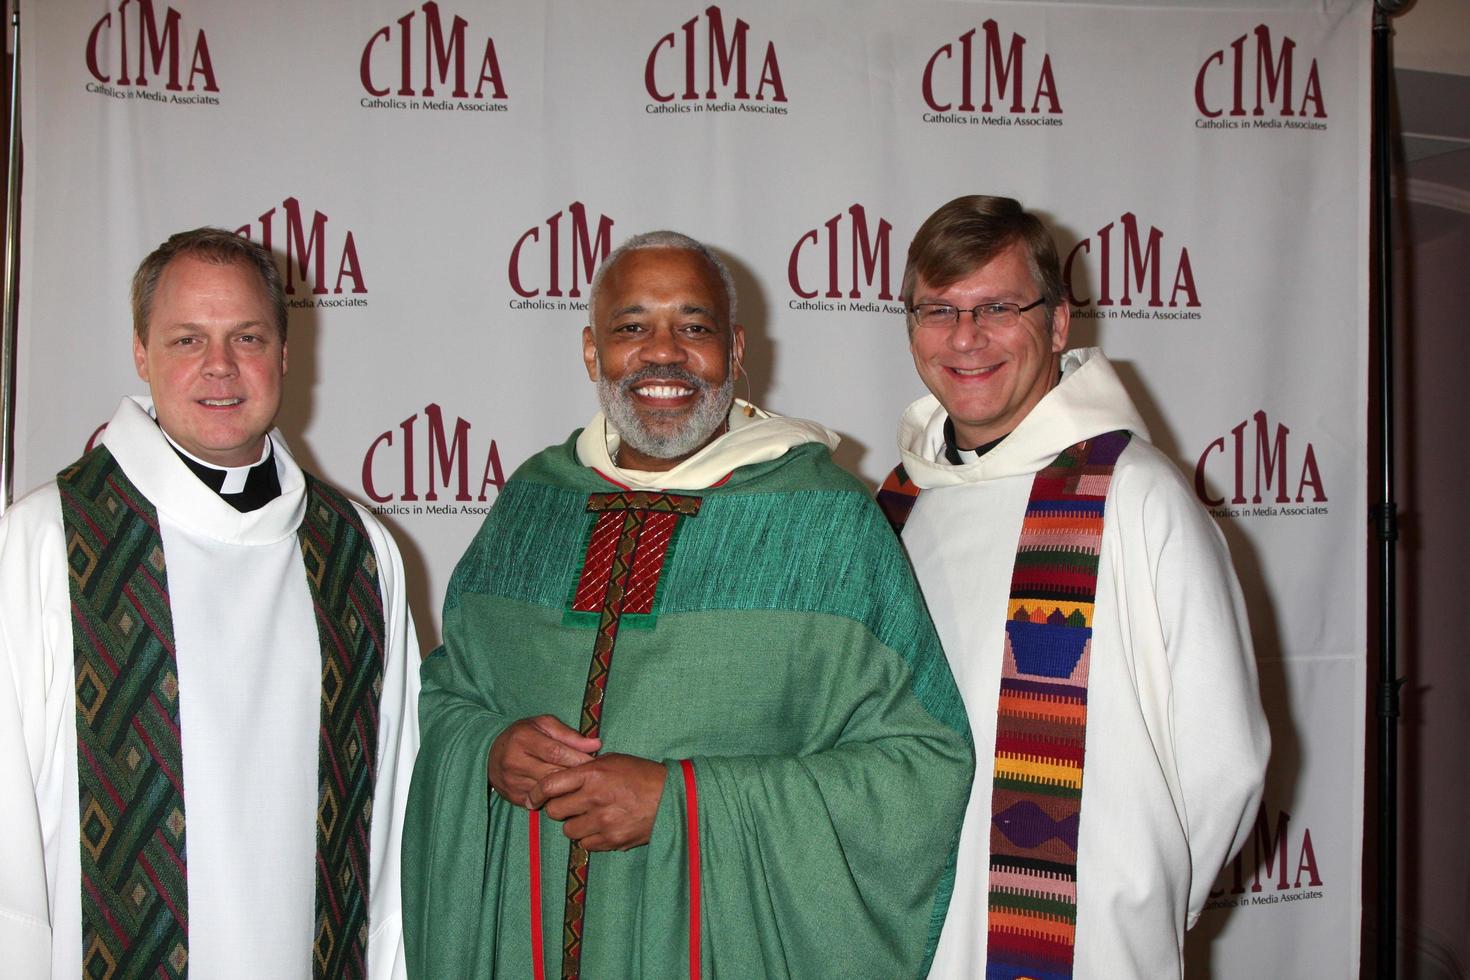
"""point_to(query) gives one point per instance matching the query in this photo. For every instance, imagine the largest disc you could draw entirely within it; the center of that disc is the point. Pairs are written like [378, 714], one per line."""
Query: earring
[749, 409]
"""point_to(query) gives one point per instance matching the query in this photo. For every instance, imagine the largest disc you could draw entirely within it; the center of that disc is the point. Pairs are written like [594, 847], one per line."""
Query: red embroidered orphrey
[625, 556]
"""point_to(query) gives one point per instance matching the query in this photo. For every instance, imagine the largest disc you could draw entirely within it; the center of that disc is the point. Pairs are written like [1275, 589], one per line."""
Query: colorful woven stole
[896, 498]
[1041, 714]
[135, 918]
[625, 556]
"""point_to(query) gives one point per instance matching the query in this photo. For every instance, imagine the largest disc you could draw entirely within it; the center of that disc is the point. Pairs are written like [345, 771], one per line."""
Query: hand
[607, 804]
[532, 749]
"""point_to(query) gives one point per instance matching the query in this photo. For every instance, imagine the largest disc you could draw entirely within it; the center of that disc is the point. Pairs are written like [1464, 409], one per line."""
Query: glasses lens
[936, 315]
[998, 314]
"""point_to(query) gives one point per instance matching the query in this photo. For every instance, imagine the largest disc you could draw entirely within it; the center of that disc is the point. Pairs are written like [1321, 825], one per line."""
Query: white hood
[754, 438]
[1088, 401]
[139, 445]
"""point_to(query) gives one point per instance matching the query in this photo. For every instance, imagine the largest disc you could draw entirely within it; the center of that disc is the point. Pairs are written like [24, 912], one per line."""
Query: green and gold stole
[135, 911]
[1041, 711]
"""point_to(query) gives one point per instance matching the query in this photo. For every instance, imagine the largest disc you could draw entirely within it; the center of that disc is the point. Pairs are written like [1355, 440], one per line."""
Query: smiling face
[989, 379]
[213, 360]
[661, 349]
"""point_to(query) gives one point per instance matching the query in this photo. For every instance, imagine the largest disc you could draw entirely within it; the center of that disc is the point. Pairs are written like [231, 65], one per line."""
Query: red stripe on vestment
[173, 855]
[691, 798]
[112, 792]
[165, 641]
[718, 483]
[117, 930]
[162, 892]
[538, 963]
[163, 714]
[1038, 748]
[328, 882]
[153, 750]
[609, 479]
[98, 646]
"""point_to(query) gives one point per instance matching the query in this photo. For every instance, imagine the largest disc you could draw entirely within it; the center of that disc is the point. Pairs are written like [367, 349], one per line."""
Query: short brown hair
[970, 231]
[217, 247]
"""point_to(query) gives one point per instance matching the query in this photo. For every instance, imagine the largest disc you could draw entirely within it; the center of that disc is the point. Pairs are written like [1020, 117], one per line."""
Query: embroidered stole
[135, 913]
[626, 553]
[1041, 714]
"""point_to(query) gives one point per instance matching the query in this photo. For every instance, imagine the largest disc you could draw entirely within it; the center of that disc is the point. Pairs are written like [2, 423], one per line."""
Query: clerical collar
[244, 488]
[956, 456]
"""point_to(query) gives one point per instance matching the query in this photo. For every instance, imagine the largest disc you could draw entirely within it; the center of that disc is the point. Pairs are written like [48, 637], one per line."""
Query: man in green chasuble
[690, 716]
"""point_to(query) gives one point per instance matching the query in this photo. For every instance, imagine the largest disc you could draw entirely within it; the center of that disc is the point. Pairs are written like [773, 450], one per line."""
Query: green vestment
[777, 641]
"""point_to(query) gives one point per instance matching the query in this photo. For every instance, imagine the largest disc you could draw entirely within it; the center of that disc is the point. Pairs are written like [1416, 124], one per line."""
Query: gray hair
[664, 239]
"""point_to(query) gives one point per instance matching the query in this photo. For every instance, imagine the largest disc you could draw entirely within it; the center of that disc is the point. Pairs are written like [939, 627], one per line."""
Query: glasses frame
[974, 311]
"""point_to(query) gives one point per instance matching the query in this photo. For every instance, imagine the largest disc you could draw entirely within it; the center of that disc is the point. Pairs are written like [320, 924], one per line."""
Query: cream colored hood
[754, 438]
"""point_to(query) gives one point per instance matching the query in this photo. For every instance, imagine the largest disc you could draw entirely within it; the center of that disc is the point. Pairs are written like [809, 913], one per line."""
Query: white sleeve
[398, 743]
[1219, 741]
[28, 533]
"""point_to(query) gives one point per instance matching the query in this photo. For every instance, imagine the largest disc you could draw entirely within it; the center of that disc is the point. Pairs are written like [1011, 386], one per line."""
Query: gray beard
[673, 440]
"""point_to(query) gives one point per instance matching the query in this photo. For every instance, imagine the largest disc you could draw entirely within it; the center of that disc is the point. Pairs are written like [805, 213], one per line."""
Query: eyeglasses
[944, 316]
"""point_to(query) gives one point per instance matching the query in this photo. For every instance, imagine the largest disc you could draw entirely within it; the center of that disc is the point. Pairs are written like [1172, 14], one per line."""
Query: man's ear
[140, 358]
[589, 353]
[737, 345]
[1061, 324]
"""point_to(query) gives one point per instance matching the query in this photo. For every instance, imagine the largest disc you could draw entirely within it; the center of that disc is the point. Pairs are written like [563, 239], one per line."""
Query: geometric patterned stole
[342, 573]
[135, 913]
[1041, 712]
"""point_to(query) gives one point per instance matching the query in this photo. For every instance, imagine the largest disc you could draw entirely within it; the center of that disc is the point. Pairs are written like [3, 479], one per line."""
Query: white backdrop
[439, 179]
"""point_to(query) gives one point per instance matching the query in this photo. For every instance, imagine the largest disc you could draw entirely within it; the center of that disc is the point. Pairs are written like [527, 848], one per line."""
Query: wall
[1432, 55]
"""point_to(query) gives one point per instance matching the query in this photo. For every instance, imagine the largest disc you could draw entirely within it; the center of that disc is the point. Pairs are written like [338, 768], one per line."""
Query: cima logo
[1257, 458]
[308, 245]
[993, 67]
[439, 59]
[427, 448]
[1259, 78]
[1135, 267]
[1278, 864]
[569, 253]
[847, 257]
[672, 69]
[146, 48]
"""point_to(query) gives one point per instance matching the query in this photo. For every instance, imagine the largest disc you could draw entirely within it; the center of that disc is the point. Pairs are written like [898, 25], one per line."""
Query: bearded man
[690, 715]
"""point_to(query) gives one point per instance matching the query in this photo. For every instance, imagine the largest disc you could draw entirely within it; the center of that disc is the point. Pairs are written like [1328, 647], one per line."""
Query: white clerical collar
[235, 476]
[966, 455]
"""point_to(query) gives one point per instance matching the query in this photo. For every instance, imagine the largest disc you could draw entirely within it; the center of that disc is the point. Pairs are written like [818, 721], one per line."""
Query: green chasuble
[765, 640]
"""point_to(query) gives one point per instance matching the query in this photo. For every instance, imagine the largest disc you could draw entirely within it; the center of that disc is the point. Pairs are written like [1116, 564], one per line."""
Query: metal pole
[12, 276]
[1385, 513]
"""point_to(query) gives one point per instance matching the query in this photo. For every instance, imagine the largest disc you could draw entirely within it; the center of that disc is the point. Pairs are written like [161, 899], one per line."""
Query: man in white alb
[208, 672]
[1088, 609]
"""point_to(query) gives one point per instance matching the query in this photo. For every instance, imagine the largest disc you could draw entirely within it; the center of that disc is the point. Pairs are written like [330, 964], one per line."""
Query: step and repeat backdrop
[439, 180]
